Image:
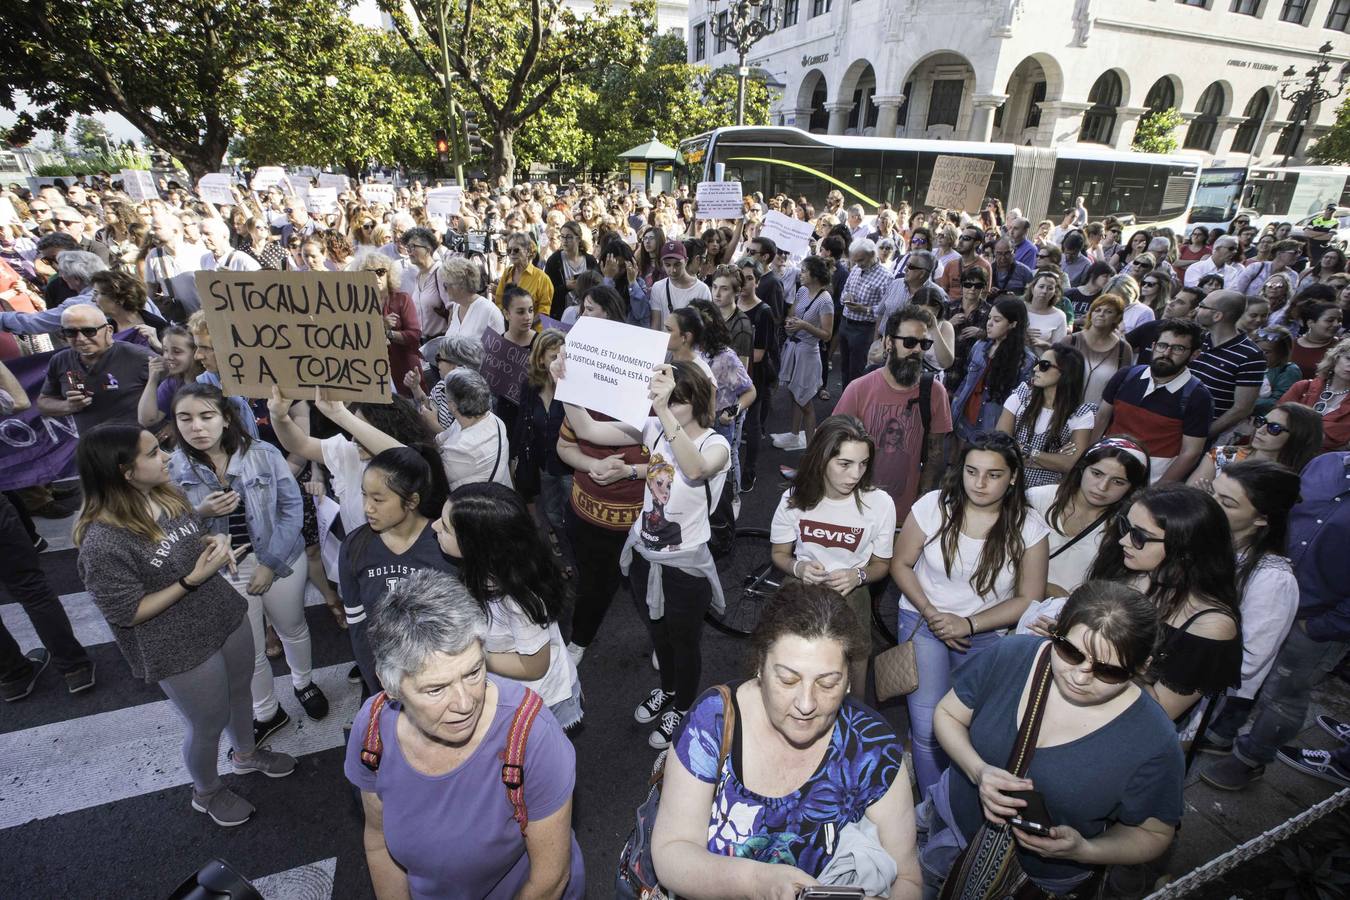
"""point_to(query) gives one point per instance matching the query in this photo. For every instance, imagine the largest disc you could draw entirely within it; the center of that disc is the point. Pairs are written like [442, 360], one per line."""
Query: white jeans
[284, 603]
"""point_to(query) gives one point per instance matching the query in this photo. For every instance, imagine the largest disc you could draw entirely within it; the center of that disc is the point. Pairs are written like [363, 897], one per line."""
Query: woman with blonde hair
[402, 327]
[1326, 394]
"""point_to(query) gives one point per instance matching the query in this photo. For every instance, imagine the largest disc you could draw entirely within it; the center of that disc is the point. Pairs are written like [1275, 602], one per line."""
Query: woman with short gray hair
[446, 715]
[469, 313]
[474, 447]
[446, 353]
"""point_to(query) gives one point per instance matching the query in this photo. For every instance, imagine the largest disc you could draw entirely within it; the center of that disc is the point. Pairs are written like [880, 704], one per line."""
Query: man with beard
[887, 402]
[1163, 404]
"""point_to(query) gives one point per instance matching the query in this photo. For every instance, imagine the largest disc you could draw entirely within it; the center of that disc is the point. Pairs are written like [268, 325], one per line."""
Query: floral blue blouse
[802, 828]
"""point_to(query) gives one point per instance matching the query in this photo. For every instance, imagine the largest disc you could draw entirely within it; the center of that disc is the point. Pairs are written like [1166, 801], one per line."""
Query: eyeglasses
[1142, 265]
[89, 332]
[1162, 348]
[1139, 538]
[919, 242]
[964, 238]
[1274, 429]
[1042, 255]
[915, 267]
[1106, 673]
[974, 285]
[380, 272]
[1044, 365]
[909, 343]
[1150, 283]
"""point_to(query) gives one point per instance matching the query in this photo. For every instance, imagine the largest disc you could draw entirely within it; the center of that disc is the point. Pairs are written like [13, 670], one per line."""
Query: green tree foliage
[1157, 131]
[91, 135]
[1333, 148]
[175, 69]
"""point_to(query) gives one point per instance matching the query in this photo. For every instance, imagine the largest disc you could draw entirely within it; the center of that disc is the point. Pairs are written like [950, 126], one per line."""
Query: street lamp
[748, 22]
[1307, 92]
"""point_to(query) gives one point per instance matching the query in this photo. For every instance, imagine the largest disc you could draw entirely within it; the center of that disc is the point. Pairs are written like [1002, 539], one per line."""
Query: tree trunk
[353, 169]
[503, 162]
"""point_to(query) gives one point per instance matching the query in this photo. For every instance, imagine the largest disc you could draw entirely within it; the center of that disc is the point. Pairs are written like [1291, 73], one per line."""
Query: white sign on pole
[215, 188]
[958, 182]
[139, 185]
[378, 193]
[444, 201]
[332, 180]
[300, 188]
[720, 200]
[266, 177]
[322, 201]
[788, 233]
[609, 366]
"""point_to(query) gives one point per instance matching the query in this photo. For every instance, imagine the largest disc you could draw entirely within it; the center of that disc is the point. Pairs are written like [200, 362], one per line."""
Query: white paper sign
[788, 233]
[444, 201]
[609, 365]
[720, 200]
[322, 201]
[139, 185]
[266, 177]
[215, 188]
[8, 214]
[332, 180]
[300, 189]
[378, 193]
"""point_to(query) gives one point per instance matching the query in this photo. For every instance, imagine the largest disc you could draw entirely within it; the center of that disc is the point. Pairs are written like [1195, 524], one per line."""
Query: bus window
[1062, 187]
[1176, 191]
[1128, 191]
[1000, 180]
[1271, 198]
[1092, 184]
[1217, 198]
[899, 174]
[753, 176]
[861, 171]
[807, 181]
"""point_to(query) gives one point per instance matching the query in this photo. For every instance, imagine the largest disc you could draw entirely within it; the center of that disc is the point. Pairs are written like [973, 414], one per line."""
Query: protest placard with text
[505, 366]
[609, 366]
[339, 183]
[959, 182]
[35, 449]
[139, 185]
[215, 188]
[298, 331]
[444, 201]
[266, 177]
[378, 193]
[322, 201]
[720, 200]
[548, 322]
[8, 214]
[788, 233]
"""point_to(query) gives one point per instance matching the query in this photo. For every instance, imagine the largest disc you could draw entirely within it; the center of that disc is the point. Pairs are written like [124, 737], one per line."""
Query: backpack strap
[372, 747]
[925, 404]
[513, 757]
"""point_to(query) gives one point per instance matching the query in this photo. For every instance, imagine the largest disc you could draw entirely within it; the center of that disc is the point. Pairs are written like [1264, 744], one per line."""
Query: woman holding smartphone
[154, 573]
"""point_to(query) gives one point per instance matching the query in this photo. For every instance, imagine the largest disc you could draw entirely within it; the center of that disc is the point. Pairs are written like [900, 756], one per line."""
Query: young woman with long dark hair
[998, 364]
[510, 571]
[244, 489]
[1047, 416]
[809, 322]
[1290, 434]
[155, 574]
[969, 560]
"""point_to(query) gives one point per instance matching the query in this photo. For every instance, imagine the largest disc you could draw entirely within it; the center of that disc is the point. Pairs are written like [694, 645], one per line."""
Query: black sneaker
[80, 679]
[22, 686]
[354, 675]
[264, 730]
[1208, 744]
[313, 700]
[41, 545]
[650, 708]
[664, 732]
[747, 482]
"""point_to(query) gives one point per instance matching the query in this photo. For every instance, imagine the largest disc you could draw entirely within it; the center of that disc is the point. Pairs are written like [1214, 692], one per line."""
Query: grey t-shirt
[115, 381]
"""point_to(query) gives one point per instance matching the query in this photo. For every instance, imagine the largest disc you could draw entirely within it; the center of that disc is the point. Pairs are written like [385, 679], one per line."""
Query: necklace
[1329, 399]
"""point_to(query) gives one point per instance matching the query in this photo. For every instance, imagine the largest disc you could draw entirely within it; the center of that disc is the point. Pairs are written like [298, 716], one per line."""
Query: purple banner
[33, 448]
[505, 366]
[548, 322]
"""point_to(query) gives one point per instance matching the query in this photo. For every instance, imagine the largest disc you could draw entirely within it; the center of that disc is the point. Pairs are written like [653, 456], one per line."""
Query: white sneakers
[789, 440]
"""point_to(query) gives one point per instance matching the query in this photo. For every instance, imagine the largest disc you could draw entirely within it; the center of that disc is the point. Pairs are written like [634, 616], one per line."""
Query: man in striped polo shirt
[1229, 363]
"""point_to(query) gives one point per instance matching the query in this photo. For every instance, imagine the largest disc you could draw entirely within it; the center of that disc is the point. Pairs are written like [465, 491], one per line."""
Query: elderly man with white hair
[171, 268]
[95, 379]
[862, 296]
[70, 220]
[1222, 260]
[216, 237]
[76, 269]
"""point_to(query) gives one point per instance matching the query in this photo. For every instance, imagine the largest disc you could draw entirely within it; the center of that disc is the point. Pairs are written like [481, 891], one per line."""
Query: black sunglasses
[1139, 538]
[380, 272]
[1275, 429]
[974, 285]
[1103, 672]
[910, 343]
[1044, 365]
[916, 267]
[89, 332]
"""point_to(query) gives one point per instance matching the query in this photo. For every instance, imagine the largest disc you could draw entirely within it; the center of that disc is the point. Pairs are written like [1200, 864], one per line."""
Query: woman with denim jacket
[243, 488]
[998, 364]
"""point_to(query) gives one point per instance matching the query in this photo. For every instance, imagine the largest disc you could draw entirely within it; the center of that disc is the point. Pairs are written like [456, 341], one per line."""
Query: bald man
[1229, 363]
[95, 379]
[170, 269]
[216, 237]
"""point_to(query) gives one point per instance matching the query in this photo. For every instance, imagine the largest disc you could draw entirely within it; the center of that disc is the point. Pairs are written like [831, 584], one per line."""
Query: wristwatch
[632, 472]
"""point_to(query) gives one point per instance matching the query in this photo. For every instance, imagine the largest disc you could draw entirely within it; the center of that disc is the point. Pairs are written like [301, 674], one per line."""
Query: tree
[175, 69]
[513, 56]
[1157, 131]
[1333, 148]
[91, 135]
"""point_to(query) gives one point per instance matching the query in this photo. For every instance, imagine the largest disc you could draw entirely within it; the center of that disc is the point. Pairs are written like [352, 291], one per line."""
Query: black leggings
[598, 577]
[678, 634]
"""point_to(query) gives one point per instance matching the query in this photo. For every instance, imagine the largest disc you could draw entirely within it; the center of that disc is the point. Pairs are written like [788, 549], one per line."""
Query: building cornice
[1207, 37]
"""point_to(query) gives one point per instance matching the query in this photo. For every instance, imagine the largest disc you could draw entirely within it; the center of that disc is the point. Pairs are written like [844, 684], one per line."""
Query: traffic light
[471, 134]
[442, 146]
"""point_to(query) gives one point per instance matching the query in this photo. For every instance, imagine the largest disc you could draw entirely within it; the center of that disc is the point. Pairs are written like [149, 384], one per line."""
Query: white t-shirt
[342, 456]
[667, 297]
[1070, 568]
[477, 453]
[1050, 326]
[234, 261]
[1136, 314]
[511, 631]
[482, 315]
[954, 593]
[428, 293]
[835, 533]
[1083, 417]
[675, 509]
[176, 276]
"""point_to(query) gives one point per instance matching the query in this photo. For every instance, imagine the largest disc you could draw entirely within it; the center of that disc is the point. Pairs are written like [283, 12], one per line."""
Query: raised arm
[367, 435]
[10, 385]
[295, 439]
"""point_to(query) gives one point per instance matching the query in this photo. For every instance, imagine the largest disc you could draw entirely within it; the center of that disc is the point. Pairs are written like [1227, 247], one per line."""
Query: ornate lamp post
[747, 23]
[1307, 92]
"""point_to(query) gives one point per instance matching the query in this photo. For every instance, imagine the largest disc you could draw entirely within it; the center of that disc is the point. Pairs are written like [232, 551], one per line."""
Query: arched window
[1163, 95]
[1200, 136]
[1099, 122]
[1253, 116]
[820, 119]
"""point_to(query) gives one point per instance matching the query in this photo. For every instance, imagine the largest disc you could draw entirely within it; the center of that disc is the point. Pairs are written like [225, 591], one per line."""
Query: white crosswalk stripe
[311, 882]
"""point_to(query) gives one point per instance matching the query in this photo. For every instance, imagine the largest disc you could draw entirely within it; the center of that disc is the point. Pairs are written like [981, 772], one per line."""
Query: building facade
[1044, 72]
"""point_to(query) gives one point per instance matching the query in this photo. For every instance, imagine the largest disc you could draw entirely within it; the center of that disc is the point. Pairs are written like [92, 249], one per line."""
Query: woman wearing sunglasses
[1105, 760]
[997, 365]
[1047, 416]
[969, 560]
[1290, 434]
[1326, 395]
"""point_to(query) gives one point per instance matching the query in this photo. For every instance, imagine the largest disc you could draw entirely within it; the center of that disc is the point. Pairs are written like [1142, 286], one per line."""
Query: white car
[1340, 236]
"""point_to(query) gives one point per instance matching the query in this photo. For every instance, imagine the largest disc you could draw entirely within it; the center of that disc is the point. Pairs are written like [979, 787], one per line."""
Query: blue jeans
[1283, 703]
[936, 662]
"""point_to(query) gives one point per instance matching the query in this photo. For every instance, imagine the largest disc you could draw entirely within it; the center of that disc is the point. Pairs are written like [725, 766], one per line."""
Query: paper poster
[788, 233]
[215, 188]
[8, 214]
[505, 366]
[299, 331]
[337, 182]
[300, 188]
[720, 200]
[267, 177]
[547, 322]
[139, 185]
[959, 182]
[322, 201]
[609, 366]
[444, 201]
[378, 193]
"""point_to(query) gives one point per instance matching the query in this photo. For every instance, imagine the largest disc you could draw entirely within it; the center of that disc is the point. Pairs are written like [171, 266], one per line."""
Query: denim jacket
[989, 409]
[272, 504]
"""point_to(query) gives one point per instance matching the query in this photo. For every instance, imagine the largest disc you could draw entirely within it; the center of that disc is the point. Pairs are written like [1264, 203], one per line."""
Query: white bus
[1138, 188]
[1268, 193]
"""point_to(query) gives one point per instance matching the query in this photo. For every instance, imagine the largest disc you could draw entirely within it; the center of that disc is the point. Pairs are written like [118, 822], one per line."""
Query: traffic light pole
[451, 112]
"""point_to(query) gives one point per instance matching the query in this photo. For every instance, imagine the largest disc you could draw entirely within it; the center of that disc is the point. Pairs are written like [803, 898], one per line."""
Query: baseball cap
[675, 249]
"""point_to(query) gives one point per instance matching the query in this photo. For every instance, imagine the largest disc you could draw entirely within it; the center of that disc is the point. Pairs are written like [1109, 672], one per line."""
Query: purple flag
[33, 448]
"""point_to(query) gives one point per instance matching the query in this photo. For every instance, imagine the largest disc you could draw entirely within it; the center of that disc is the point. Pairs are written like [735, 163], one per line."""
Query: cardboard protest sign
[35, 449]
[322, 201]
[609, 366]
[959, 182]
[505, 366]
[339, 183]
[444, 201]
[215, 188]
[720, 200]
[378, 193]
[266, 177]
[139, 185]
[547, 322]
[788, 233]
[298, 331]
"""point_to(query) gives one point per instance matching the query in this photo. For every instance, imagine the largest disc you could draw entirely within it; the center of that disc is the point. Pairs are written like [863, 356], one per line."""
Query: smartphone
[75, 381]
[830, 892]
[1035, 816]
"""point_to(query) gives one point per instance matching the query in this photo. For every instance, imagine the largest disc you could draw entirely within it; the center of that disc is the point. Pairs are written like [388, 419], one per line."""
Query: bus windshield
[1217, 197]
